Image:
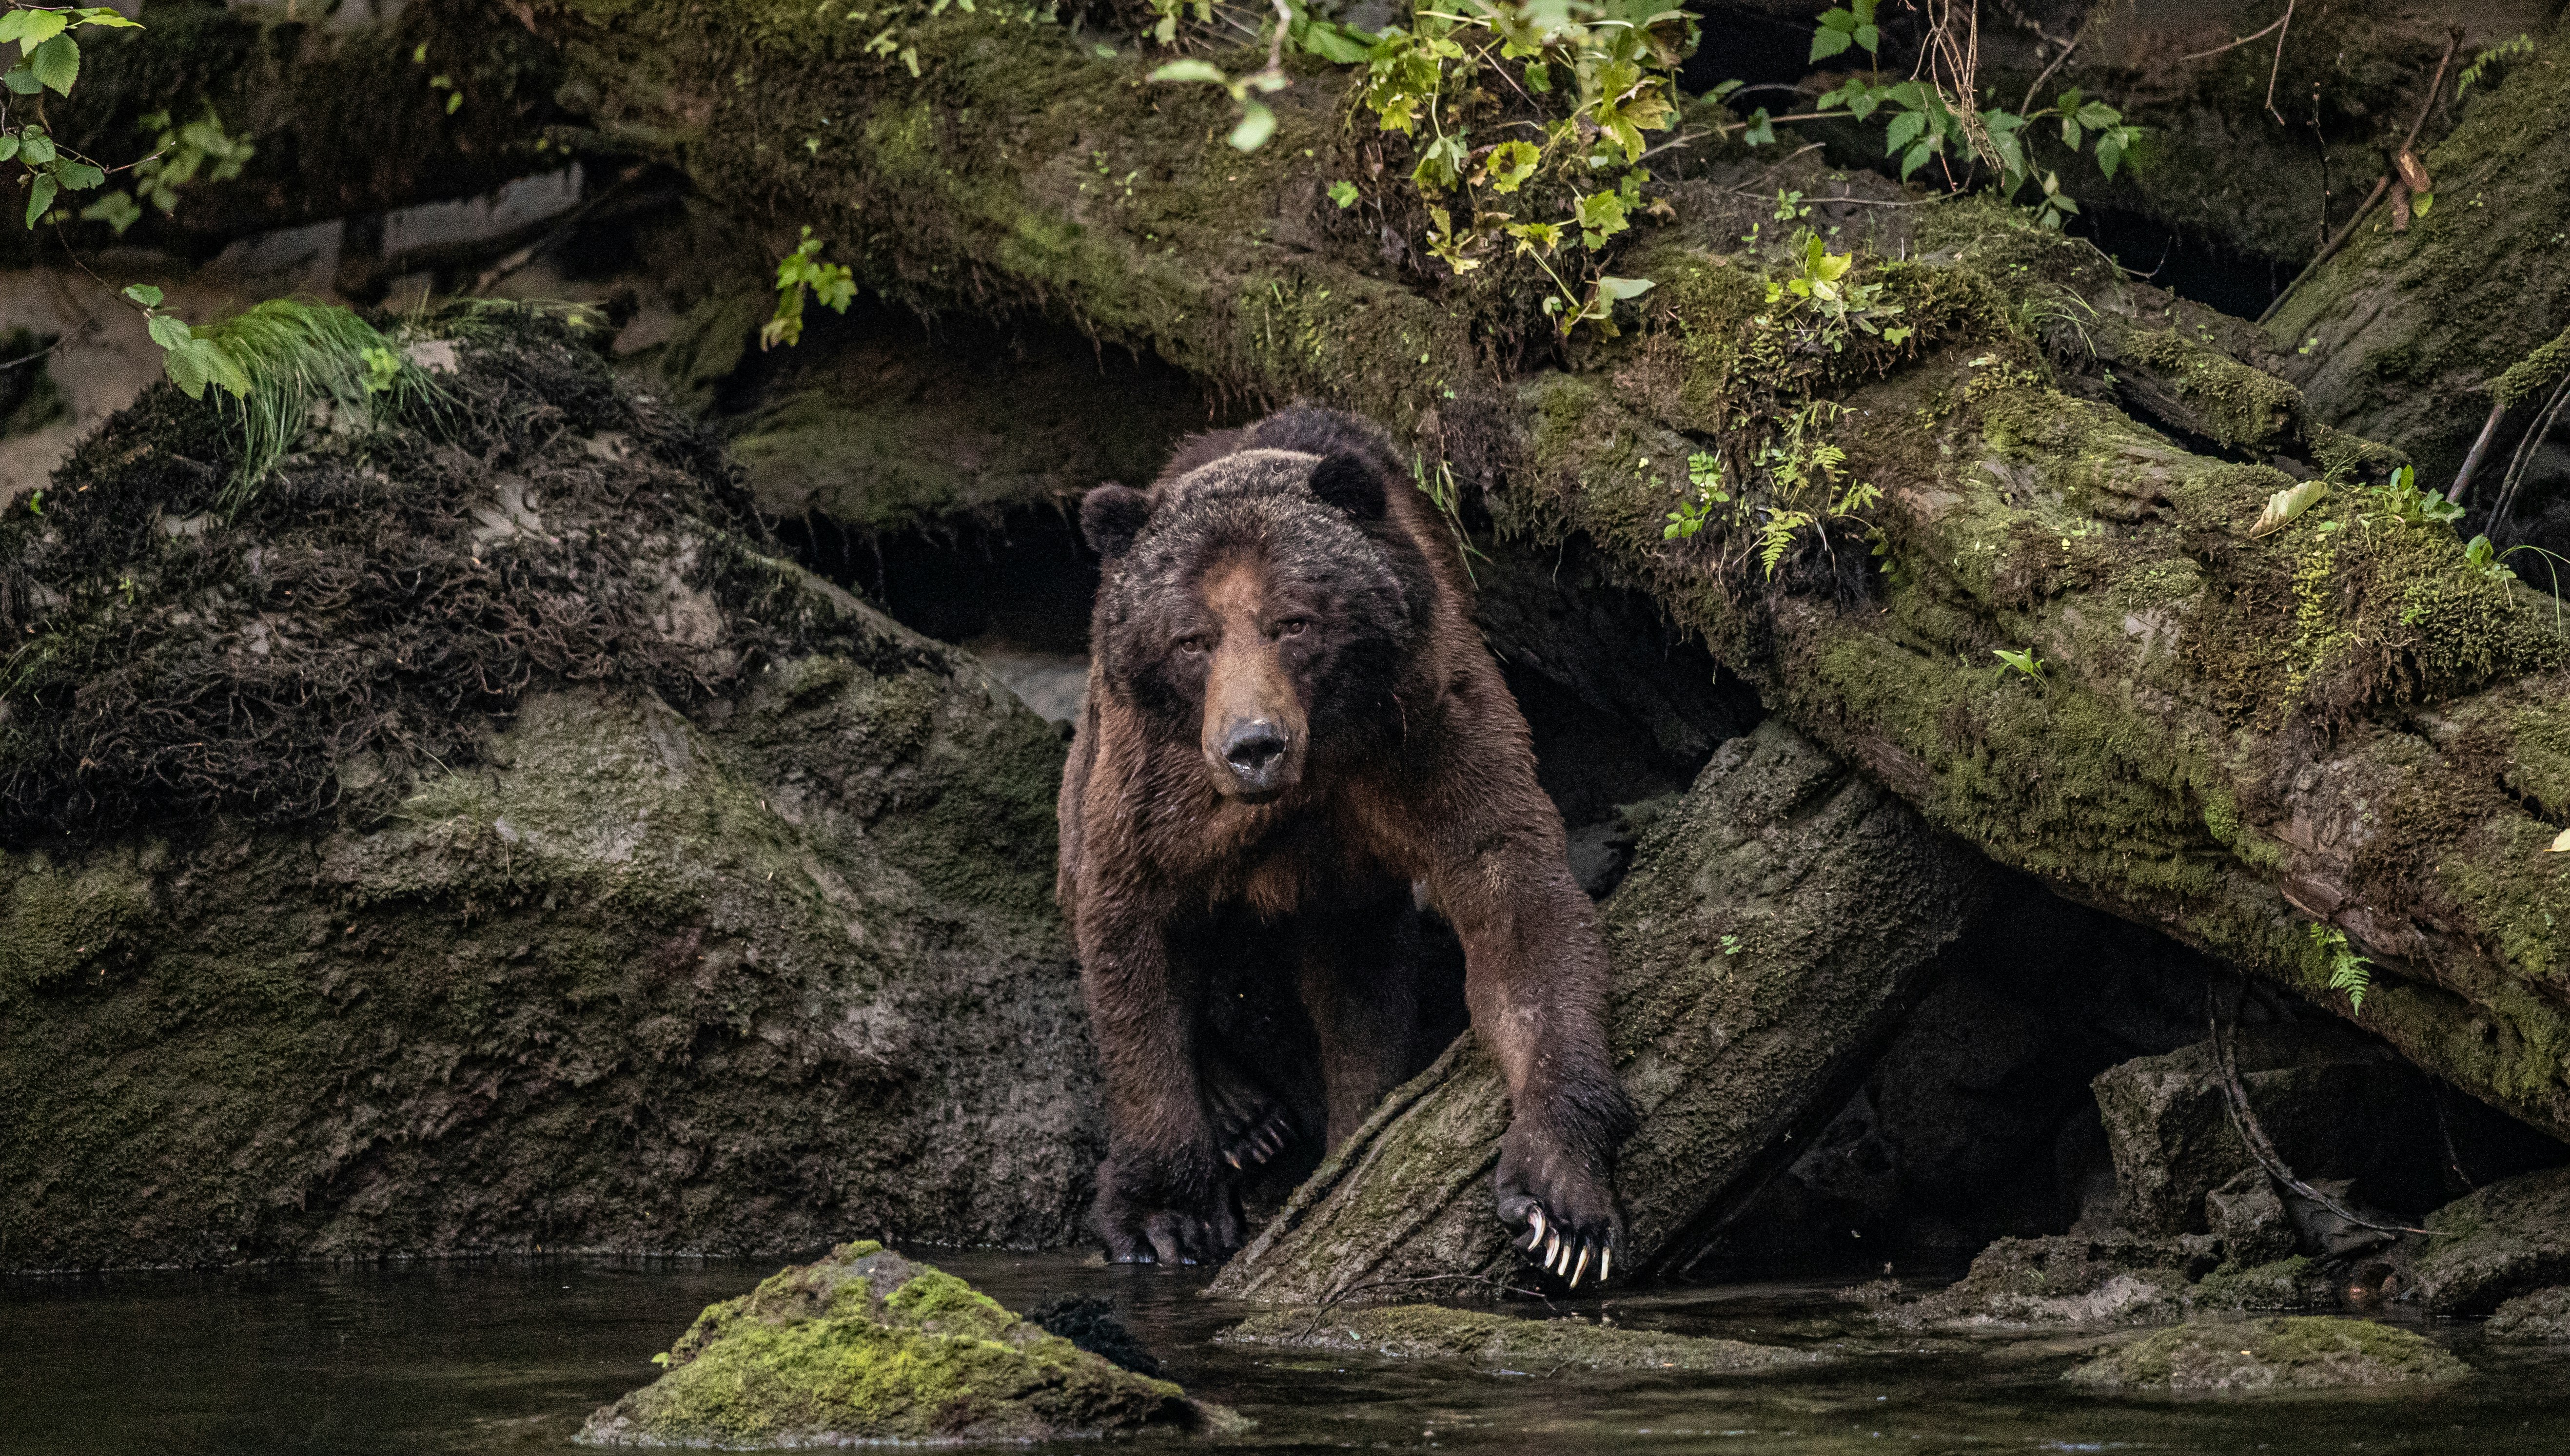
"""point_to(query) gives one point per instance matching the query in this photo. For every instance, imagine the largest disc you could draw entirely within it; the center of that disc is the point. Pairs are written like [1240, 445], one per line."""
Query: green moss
[866, 1346]
[1544, 1347]
[2248, 409]
[2293, 1352]
[2289, 1283]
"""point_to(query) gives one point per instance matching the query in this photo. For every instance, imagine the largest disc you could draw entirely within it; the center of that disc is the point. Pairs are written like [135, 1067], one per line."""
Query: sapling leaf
[1190, 71]
[41, 196]
[56, 64]
[1257, 124]
[144, 293]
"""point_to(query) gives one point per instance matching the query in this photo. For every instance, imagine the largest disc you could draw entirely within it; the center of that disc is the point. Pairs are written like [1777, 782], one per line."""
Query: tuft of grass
[298, 355]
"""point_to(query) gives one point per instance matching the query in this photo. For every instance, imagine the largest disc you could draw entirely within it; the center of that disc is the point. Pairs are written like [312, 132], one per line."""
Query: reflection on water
[505, 1358]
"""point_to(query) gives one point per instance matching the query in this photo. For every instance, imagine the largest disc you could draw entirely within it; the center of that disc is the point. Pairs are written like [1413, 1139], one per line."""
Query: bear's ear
[1351, 484]
[1111, 516]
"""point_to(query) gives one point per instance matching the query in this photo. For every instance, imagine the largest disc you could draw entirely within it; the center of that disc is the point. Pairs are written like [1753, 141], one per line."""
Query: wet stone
[2542, 1318]
[865, 1348]
[2304, 1353]
[2508, 1239]
[1530, 1346]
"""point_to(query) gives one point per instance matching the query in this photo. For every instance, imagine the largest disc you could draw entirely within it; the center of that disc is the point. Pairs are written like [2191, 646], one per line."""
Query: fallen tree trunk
[2342, 726]
[1771, 934]
[2403, 335]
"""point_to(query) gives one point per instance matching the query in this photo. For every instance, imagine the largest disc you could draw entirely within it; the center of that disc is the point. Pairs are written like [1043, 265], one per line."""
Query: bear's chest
[1300, 863]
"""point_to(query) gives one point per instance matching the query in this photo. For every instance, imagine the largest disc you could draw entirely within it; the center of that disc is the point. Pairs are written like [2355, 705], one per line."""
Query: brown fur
[1284, 587]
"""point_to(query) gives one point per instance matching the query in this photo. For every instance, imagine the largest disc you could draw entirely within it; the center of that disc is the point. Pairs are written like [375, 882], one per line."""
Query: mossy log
[2404, 335]
[1775, 929]
[2235, 739]
[435, 102]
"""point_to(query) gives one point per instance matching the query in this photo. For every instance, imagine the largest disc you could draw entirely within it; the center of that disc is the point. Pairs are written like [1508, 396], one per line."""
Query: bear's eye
[1194, 644]
[1292, 626]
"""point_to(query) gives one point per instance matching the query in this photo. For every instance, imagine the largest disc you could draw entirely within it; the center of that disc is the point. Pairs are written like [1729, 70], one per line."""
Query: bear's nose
[1254, 750]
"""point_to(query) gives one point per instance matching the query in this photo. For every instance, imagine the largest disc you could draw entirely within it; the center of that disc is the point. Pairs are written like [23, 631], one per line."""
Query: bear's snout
[1254, 751]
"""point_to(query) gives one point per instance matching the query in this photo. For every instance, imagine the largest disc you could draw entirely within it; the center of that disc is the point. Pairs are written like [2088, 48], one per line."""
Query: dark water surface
[510, 1356]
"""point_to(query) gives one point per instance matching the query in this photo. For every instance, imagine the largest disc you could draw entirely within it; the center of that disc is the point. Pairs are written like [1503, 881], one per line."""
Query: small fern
[2348, 971]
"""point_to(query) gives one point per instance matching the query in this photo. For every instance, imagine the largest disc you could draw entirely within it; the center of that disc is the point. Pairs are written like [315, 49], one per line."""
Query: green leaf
[1257, 124]
[36, 26]
[145, 294]
[1344, 193]
[21, 80]
[2423, 203]
[1828, 41]
[1191, 71]
[1916, 159]
[8, 146]
[1904, 129]
[57, 64]
[101, 15]
[79, 176]
[1340, 45]
[35, 148]
[168, 332]
[1511, 164]
[40, 197]
[1621, 289]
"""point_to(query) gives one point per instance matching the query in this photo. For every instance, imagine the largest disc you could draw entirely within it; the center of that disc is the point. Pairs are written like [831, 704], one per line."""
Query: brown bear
[1292, 729]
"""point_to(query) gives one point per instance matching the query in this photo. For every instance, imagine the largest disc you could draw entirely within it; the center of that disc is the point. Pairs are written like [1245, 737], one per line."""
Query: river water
[508, 1357]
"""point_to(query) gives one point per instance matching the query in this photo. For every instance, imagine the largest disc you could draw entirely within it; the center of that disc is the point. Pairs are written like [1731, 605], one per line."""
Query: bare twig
[2036, 85]
[2526, 448]
[2235, 1095]
[2381, 185]
[2244, 40]
[2480, 447]
[2279, 64]
[2435, 85]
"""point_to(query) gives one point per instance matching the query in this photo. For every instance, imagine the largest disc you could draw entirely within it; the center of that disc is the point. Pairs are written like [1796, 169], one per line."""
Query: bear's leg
[1361, 994]
[1161, 1194]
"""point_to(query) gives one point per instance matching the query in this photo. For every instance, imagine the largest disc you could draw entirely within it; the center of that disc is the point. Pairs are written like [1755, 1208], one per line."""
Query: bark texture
[1772, 931]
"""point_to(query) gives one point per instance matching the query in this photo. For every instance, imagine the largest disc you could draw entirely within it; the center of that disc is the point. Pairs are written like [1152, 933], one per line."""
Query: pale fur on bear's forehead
[1242, 472]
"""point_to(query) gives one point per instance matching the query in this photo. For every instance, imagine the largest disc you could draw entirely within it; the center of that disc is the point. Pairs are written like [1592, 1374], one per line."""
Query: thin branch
[2244, 40]
[2380, 186]
[2279, 64]
[2036, 85]
[2235, 1096]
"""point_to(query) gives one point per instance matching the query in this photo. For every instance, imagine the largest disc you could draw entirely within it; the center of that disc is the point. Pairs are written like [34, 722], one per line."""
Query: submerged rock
[2508, 1239]
[2067, 1279]
[2308, 1353]
[867, 1347]
[1541, 1346]
[2542, 1318]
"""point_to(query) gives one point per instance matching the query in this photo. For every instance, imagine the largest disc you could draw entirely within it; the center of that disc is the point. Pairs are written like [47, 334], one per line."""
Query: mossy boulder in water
[866, 1347]
[2508, 1239]
[476, 839]
[2542, 1318]
[1432, 1331]
[2310, 1352]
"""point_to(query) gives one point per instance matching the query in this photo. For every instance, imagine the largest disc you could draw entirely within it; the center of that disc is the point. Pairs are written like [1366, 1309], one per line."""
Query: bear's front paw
[1563, 1203]
[1145, 1216]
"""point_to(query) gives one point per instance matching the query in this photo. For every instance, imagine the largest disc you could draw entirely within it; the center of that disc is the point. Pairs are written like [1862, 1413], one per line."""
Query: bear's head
[1264, 606]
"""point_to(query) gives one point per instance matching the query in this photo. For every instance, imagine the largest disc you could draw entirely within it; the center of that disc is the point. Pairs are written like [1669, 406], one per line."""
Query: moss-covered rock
[2309, 1353]
[590, 879]
[2287, 1283]
[2542, 1318]
[1537, 1347]
[868, 1348]
[2070, 1280]
[2508, 1239]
